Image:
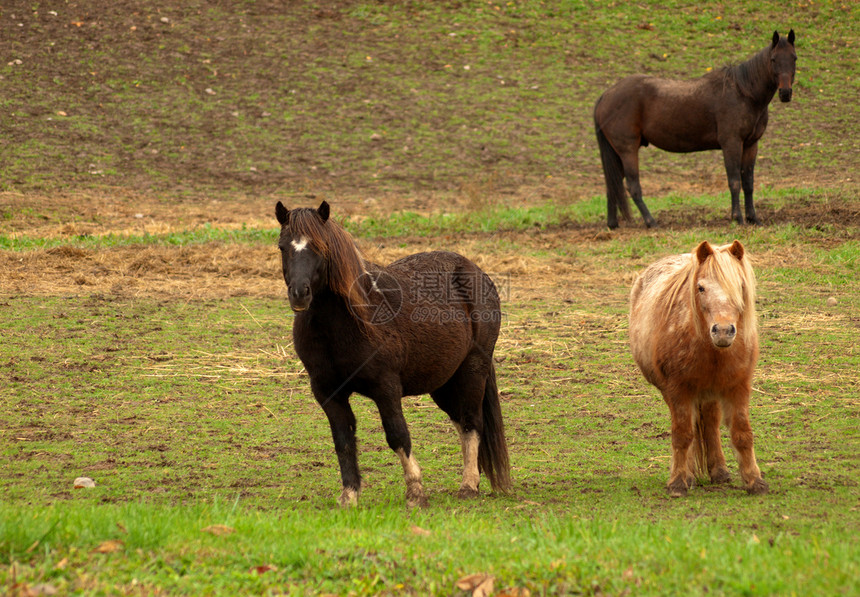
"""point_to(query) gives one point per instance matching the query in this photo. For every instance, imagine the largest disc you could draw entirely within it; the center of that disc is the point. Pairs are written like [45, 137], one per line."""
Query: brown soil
[221, 270]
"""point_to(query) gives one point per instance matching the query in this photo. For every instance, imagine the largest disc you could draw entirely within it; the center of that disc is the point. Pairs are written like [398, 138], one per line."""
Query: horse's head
[302, 258]
[783, 60]
[722, 291]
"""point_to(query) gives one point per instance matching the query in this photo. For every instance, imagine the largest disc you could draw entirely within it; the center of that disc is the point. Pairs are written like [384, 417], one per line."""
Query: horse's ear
[775, 39]
[703, 251]
[791, 37]
[323, 211]
[282, 213]
[737, 249]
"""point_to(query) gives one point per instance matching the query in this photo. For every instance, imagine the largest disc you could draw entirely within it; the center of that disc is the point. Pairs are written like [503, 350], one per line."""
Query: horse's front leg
[747, 179]
[680, 477]
[397, 436]
[738, 420]
[341, 419]
[710, 417]
[732, 152]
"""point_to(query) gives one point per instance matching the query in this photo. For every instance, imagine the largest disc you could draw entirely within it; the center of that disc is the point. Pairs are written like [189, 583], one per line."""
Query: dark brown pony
[426, 324]
[725, 109]
[693, 334]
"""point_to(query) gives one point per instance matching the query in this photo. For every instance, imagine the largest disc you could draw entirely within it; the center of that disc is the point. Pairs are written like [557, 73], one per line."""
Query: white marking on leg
[299, 245]
[469, 441]
[412, 475]
[411, 470]
[348, 498]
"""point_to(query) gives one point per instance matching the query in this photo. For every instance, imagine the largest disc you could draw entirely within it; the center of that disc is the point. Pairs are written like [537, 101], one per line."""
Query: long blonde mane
[734, 275]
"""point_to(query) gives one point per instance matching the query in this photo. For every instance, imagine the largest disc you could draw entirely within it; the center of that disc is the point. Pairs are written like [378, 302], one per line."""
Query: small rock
[831, 301]
[84, 482]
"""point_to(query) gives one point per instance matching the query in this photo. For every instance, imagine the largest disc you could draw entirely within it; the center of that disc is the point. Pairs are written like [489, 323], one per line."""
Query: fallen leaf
[218, 529]
[481, 585]
[109, 546]
[419, 531]
[263, 568]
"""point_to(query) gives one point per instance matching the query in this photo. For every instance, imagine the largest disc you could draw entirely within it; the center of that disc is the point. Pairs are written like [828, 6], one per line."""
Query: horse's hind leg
[737, 418]
[630, 160]
[461, 399]
[397, 436]
[469, 442]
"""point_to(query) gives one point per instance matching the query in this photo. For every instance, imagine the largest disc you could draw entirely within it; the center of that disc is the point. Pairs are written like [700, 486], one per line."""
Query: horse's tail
[613, 173]
[492, 449]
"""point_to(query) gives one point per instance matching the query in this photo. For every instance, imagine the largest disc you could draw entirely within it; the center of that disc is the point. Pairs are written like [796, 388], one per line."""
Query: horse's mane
[735, 276]
[748, 75]
[346, 263]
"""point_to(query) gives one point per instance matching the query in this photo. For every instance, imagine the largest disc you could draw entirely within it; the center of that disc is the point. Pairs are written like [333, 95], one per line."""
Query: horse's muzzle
[785, 95]
[723, 335]
[300, 297]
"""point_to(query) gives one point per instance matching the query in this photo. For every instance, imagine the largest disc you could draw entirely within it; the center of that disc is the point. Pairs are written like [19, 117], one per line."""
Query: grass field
[146, 336]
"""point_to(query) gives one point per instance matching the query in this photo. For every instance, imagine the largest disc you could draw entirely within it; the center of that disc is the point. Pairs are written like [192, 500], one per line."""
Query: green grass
[189, 414]
[385, 552]
[384, 97]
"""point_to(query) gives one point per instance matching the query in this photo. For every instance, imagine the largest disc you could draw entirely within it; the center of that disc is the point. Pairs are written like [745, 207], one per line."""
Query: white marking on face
[299, 245]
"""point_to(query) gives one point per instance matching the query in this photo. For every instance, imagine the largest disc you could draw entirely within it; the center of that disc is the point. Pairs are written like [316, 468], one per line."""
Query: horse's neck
[760, 85]
[330, 313]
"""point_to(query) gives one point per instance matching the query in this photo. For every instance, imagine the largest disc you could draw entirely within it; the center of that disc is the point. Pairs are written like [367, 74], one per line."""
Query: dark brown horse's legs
[631, 174]
[636, 193]
[342, 422]
[747, 182]
[397, 435]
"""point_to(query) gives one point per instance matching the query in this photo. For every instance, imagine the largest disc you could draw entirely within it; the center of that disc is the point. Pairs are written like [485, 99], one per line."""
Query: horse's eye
[701, 288]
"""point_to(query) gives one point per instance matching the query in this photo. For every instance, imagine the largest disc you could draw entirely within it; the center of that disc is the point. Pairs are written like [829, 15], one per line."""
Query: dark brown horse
[725, 109]
[426, 324]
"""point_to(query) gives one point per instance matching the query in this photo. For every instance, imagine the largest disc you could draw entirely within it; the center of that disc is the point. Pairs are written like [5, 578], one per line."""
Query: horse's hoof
[415, 497]
[467, 493]
[348, 498]
[651, 224]
[757, 487]
[721, 476]
[678, 488]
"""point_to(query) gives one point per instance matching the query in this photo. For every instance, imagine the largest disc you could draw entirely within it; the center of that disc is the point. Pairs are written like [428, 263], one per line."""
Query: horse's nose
[785, 95]
[728, 330]
[300, 296]
[723, 335]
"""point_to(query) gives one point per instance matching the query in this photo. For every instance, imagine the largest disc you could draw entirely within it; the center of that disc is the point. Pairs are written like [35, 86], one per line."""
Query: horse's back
[450, 313]
[674, 115]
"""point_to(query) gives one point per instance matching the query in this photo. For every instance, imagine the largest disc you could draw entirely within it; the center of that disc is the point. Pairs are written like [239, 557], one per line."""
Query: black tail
[493, 450]
[613, 172]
